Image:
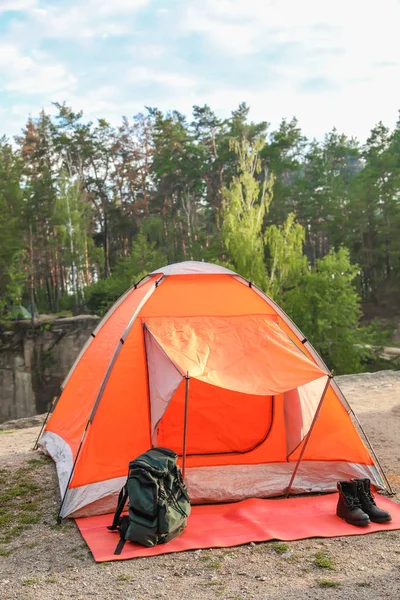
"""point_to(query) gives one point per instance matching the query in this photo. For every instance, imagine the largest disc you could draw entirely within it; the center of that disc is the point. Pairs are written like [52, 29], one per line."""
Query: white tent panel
[300, 406]
[164, 380]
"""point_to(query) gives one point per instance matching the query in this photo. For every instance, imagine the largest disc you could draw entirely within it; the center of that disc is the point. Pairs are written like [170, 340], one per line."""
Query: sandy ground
[45, 562]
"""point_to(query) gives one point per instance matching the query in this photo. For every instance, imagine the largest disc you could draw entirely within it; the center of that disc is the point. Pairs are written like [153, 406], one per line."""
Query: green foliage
[328, 583]
[322, 560]
[326, 307]
[103, 294]
[11, 244]
[287, 262]
[280, 547]
[246, 202]
[70, 218]
[144, 258]
[87, 208]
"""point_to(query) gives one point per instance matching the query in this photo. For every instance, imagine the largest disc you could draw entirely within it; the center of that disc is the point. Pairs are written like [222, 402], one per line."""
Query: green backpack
[159, 503]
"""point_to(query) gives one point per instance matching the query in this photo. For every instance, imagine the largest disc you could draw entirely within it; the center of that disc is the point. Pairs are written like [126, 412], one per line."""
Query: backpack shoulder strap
[123, 528]
[120, 547]
[122, 498]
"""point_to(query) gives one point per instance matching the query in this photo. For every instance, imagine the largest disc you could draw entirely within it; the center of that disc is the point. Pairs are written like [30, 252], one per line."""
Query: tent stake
[307, 438]
[185, 425]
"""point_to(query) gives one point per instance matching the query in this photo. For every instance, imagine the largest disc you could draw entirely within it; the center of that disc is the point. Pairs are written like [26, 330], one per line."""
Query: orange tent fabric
[253, 392]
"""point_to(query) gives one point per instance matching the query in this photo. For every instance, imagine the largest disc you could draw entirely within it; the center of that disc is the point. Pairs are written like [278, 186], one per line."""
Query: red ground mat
[225, 525]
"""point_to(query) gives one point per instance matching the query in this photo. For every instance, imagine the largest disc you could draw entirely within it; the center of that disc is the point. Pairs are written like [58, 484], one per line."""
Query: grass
[212, 562]
[5, 519]
[7, 431]
[29, 506]
[280, 547]
[322, 560]
[29, 519]
[123, 578]
[20, 500]
[37, 462]
[31, 581]
[328, 583]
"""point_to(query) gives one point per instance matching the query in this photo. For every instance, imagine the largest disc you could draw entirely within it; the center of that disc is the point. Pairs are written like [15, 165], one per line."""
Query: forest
[88, 208]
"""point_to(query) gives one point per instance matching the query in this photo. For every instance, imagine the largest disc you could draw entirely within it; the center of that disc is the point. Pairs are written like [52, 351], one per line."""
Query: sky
[330, 63]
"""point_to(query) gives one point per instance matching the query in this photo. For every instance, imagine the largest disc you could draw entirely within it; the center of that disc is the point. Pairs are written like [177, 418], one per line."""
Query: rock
[287, 554]
[22, 423]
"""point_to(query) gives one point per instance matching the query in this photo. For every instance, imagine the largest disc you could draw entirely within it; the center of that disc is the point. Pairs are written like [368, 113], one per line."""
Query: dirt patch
[41, 561]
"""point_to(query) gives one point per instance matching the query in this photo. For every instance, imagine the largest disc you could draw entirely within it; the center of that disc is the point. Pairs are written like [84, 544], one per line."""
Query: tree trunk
[32, 283]
[87, 280]
[56, 275]
[107, 269]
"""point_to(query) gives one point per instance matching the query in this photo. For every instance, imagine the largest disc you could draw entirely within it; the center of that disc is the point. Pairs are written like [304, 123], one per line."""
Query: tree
[70, 220]
[180, 197]
[284, 156]
[323, 193]
[11, 231]
[245, 203]
[374, 214]
[144, 258]
[210, 133]
[287, 262]
[326, 307]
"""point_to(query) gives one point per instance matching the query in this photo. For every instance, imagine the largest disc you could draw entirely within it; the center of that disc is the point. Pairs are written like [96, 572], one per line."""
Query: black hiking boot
[368, 504]
[349, 505]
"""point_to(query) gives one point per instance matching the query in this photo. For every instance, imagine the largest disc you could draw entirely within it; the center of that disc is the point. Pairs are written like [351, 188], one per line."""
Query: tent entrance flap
[247, 419]
[236, 366]
[249, 354]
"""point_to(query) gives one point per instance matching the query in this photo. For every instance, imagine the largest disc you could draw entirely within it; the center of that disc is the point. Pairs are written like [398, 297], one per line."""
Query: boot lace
[367, 495]
[353, 503]
[370, 498]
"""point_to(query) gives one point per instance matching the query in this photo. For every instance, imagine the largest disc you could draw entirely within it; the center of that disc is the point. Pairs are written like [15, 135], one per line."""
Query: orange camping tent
[197, 359]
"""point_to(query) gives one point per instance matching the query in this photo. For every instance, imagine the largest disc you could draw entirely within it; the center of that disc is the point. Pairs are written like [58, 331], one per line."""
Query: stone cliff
[34, 361]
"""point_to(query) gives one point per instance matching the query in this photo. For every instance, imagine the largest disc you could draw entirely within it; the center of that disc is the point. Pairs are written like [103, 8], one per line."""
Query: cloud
[31, 75]
[76, 20]
[77, 23]
[16, 5]
[356, 31]
[328, 63]
[117, 7]
[149, 76]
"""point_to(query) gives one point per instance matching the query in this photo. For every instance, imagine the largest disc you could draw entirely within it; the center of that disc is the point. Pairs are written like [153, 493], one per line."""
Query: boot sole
[381, 520]
[363, 523]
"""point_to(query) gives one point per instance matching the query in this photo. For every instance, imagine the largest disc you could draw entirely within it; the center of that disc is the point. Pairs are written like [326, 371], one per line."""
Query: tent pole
[51, 408]
[185, 425]
[383, 474]
[59, 517]
[307, 438]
